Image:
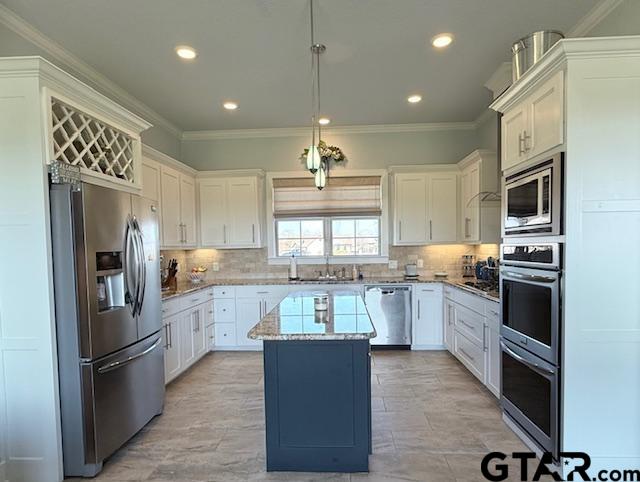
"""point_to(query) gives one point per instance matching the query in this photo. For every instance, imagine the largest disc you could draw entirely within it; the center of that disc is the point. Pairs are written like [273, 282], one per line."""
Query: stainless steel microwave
[532, 200]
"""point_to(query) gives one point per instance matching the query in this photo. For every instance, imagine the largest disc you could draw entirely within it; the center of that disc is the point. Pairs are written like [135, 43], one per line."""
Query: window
[300, 237]
[344, 237]
[355, 237]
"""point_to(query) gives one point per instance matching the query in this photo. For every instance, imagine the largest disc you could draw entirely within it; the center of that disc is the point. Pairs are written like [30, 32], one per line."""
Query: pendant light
[321, 177]
[314, 161]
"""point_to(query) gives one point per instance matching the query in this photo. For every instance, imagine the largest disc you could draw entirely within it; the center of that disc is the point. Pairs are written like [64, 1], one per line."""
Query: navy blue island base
[318, 405]
[317, 382]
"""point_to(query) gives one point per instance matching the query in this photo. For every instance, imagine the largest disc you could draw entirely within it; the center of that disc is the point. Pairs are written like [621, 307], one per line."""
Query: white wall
[364, 151]
[158, 137]
[29, 415]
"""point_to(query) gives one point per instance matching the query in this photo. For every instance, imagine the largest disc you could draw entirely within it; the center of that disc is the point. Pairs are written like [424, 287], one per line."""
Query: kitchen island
[317, 383]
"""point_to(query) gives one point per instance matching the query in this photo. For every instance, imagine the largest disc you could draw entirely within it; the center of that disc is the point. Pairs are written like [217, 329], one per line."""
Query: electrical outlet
[419, 263]
[393, 264]
[216, 267]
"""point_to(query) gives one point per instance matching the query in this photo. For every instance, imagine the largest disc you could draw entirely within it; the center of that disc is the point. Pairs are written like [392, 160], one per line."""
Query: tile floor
[432, 421]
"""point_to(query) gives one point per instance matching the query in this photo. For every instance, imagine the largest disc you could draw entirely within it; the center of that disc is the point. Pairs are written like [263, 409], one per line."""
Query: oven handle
[530, 277]
[534, 366]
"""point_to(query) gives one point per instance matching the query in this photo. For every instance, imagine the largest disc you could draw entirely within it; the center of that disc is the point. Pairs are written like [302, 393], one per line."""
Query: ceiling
[256, 52]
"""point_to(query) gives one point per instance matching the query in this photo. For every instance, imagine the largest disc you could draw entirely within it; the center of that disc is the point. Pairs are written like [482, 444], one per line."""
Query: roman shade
[343, 196]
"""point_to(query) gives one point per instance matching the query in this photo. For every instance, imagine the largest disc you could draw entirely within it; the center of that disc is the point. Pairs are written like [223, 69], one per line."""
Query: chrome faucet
[327, 273]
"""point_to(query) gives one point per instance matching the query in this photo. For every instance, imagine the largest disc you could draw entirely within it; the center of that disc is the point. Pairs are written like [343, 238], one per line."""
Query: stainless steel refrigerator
[108, 320]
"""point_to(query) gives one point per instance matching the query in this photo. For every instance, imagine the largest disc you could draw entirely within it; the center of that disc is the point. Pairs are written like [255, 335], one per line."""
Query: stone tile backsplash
[253, 263]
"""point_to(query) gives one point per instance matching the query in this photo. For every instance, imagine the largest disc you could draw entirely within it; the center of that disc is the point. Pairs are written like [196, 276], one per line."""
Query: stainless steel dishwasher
[390, 309]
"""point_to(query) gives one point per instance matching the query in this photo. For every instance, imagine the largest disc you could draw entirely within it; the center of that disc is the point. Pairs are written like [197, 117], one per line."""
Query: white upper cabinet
[443, 207]
[535, 124]
[188, 210]
[410, 226]
[479, 201]
[213, 197]
[178, 209]
[230, 212]
[425, 208]
[150, 179]
[546, 116]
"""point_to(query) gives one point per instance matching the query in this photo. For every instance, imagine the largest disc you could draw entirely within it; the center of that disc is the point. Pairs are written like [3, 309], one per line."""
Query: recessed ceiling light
[230, 105]
[323, 121]
[442, 40]
[186, 52]
[414, 99]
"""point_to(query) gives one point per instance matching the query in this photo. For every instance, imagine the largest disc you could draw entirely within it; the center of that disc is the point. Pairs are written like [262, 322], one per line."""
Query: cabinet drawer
[196, 298]
[470, 301]
[225, 334]
[471, 355]
[492, 311]
[172, 306]
[426, 288]
[263, 291]
[224, 311]
[471, 324]
[224, 292]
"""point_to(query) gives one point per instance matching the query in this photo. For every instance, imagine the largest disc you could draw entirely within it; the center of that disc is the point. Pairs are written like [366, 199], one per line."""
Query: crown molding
[162, 158]
[230, 173]
[596, 15]
[67, 60]
[563, 52]
[304, 131]
[475, 156]
[500, 80]
[486, 116]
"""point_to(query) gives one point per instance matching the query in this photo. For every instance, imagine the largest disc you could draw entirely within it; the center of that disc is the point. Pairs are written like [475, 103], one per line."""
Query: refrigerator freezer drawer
[122, 392]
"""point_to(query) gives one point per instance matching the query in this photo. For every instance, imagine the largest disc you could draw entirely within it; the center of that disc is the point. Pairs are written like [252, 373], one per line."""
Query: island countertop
[295, 318]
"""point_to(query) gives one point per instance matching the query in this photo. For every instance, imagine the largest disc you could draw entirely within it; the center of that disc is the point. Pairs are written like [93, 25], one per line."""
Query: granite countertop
[185, 287]
[295, 318]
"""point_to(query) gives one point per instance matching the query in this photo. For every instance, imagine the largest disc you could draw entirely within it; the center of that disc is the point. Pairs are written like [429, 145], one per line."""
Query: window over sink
[317, 237]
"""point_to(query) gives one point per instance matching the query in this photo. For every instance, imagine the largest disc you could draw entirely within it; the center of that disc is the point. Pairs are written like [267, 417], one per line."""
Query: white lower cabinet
[428, 325]
[470, 354]
[493, 372]
[187, 325]
[472, 334]
[449, 322]
[187, 342]
[171, 333]
[248, 313]
[225, 334]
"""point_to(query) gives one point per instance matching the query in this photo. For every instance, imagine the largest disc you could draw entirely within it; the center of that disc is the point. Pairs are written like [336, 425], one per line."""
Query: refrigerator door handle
[142, 268]
[131, 296]
[120, 363]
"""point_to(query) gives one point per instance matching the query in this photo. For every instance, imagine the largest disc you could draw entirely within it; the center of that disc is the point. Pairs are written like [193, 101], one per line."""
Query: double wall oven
[531, 300]
[531, 296]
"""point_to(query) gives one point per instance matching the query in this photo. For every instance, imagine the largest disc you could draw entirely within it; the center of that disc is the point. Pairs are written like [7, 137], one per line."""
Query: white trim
[486, 116]
[69, 61]
[500, 80]
[413, 168]
[304, 131]
[474, 156]
[596, 15]
[229, 173]
[384, 219]
[567, 49]
[162, 158]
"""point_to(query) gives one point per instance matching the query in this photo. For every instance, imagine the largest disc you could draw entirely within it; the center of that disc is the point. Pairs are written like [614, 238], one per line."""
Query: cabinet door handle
[170, 336]
[224, 234]
[418, 309]
[520, 139]
[526, 147]
[253, 233]
[166, 337]
[430, 229]
[468, 325]
[467, 221]
[399, 230]
[484, 337]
